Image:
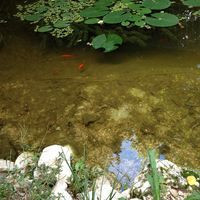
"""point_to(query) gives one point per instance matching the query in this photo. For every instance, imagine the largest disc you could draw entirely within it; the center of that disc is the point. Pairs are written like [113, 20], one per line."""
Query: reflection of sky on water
[126, 164]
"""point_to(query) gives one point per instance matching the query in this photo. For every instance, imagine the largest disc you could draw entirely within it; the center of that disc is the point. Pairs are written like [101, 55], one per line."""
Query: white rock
[104, 190]
[125, 194]
[24, 159]
[55, 155]
[6, 165]
[60, 191]
[135, 199]
[145, 187]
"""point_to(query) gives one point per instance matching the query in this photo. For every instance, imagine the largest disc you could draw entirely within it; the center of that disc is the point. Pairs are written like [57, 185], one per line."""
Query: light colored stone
[60, 191]
[145, 187]
[6, 165]
[135, 199]
[125, 194]
[174, 193]
[24, 159]
[54, 156]
[104, 190]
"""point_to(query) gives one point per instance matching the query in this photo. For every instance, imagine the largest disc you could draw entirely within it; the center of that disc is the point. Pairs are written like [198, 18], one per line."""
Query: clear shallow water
[45, 99]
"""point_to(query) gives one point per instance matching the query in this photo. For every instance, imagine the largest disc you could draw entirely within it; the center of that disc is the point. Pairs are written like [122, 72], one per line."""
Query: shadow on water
[45, 99]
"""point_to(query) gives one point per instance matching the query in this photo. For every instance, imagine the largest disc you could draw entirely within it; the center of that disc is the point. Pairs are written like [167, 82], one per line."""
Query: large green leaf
[156, 4]
[33, 18]
[134, 6]
[46, 28]
[60, 24]
[91, 21]
[104, 3]
[93, 12]
[162, 20]
[113, 17]
[135, 18]
[108, 42]
[191, 3]
[99, 41]
[114, 38]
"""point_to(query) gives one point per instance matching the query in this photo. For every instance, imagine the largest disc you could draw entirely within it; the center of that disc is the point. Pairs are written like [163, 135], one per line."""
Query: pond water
[150, 95]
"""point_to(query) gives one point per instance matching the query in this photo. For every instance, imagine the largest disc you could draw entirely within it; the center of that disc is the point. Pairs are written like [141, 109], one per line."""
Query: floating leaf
[162, 20]
[115, 38]
[99, 41]
[134, 6]
[93, 12]
[191, 3]
[46, 28]
[140, 23]
[156, 4]
[104, 3]
[125, 23]
[91, 21]
[34, 17]
[60, 24]
[143, 11]
[109, 42]
[113, 17]
[135, 18]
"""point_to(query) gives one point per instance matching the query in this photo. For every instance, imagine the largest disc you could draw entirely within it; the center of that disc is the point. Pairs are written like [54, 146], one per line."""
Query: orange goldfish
[67, 56]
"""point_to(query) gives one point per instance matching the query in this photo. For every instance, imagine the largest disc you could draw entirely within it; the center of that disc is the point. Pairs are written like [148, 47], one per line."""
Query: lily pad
[33, 18]
[60, 24]
[191, 3]
[125, 23]
[156, 4]
[91, 21]
[104, 3]
[140, 23]
[108, 42]
[99, 41]
[93, 12]
[46, 28]
[162, 20]
[135, 18]
[114, 17]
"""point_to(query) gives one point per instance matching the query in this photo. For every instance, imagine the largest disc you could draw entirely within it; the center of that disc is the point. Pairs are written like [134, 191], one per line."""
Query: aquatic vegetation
[74, 19]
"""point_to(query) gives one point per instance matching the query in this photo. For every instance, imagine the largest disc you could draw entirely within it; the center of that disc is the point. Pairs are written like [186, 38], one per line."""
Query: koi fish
[81, 67]
[67, 56]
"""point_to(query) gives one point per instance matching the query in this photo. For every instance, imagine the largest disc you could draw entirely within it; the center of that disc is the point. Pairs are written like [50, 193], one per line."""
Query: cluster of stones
[175, 185]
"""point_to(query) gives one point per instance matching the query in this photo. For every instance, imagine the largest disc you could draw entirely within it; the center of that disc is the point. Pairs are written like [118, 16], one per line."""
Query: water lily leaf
[91, 21]
[109, 46]
[108, 42]
[93, 12]
[191, 3]
[126, 16]
[99, 41]
[113, 17]
[114, 38]
[125, 23]
[33, 18]
[156, 4]
[104, 3]
[135, 18]
[46, 28]
[143, 11]
[140, 23]
[60, 24]
[162, 20]
[134, 6]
